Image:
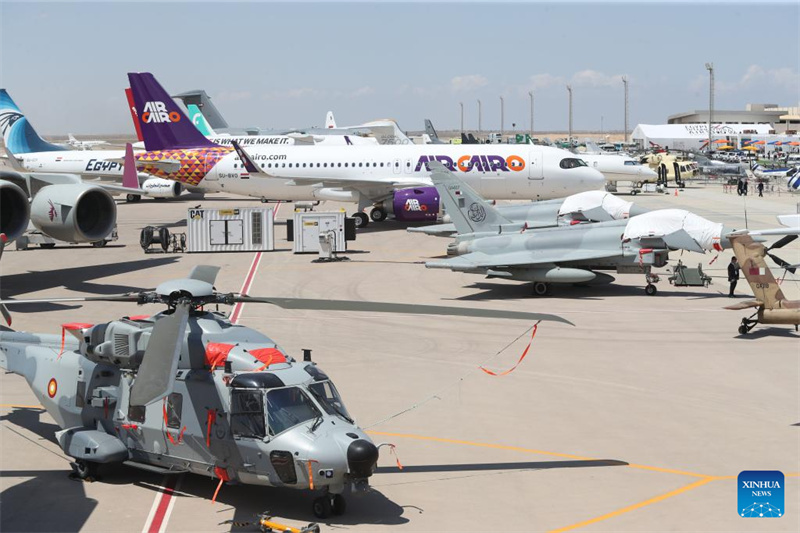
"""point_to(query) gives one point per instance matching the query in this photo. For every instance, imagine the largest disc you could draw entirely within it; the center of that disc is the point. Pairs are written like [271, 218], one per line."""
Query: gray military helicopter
[186, 390]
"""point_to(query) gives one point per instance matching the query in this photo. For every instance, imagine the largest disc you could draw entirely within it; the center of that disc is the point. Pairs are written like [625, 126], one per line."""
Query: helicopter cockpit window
[287, 408]
[247, 413]
[329, 398]
[571, 162]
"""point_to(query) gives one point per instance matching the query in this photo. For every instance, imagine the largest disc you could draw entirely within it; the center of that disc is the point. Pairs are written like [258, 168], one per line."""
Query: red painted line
[163, 505]
[237, 309]
[158, 516]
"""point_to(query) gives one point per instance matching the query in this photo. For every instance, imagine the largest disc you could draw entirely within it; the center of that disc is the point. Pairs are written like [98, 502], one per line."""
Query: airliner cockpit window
[572, 163]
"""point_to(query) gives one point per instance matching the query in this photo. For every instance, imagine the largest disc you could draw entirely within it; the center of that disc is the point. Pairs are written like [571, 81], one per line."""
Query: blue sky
[282, 65]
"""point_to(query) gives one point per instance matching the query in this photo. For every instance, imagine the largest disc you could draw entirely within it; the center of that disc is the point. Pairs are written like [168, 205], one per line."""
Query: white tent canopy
[694, 136]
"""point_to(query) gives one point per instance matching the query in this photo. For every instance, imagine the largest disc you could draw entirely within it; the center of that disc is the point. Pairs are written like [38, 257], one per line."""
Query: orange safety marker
[166, 428]
[393, 451]
[521, 357]
[211, 418]
[222, 474]
[311, 473]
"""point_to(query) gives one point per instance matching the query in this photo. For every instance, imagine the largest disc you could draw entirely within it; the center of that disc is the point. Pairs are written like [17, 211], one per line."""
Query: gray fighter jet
[587, 206]
[487, 243]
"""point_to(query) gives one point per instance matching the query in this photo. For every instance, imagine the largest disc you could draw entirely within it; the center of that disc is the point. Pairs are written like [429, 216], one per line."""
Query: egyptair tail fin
[467, 209]
[751, 260]
[18, 134]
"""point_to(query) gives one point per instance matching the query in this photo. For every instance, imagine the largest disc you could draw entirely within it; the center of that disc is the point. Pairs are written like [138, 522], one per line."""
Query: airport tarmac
[638, 418]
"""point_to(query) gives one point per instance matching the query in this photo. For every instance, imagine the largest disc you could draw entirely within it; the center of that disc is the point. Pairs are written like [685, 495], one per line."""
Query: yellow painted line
[480, 445]
[15, 406]
[667, 470]
[635, 506]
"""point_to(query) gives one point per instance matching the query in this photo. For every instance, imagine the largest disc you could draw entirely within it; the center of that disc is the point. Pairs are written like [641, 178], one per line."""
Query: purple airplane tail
[164, 125]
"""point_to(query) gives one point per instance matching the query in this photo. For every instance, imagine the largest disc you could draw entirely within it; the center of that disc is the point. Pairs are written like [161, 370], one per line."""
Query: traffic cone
[676, 191]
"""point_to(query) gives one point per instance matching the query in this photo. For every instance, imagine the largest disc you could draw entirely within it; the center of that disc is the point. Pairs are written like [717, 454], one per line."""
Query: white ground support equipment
[309, 230]
[247, 229]
[34, 236]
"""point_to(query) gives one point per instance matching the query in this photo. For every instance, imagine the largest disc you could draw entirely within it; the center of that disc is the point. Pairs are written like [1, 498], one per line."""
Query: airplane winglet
[248, 163]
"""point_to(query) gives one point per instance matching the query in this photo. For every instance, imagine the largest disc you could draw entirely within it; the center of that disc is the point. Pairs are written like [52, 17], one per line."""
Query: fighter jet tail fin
[467, 209]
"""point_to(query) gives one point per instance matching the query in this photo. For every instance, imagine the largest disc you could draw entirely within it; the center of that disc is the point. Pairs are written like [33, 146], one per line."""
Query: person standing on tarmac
[761, 189]
[733, 274]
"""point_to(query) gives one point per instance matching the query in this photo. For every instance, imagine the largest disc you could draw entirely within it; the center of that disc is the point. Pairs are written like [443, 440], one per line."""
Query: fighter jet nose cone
[362, 456]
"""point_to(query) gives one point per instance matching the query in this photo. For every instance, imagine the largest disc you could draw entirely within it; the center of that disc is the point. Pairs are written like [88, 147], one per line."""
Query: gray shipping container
[241, 229]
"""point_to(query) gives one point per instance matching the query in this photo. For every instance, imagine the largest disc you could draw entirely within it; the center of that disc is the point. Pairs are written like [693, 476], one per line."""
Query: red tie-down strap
[521, 357]
[268, 356]
[71, 326]
[222, 474]
[174, 441]
[217, 354]
[211, 419]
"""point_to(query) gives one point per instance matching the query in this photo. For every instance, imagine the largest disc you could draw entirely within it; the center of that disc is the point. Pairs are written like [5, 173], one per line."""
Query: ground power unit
[248, 229]
[305, 229]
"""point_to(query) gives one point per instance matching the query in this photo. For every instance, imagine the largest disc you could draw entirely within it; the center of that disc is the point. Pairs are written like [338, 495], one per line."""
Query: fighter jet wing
[532, 258]
[444, 230]
[745, 305]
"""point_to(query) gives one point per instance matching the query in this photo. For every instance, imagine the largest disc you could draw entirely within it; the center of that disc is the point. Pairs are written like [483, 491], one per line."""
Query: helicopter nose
[362, 456]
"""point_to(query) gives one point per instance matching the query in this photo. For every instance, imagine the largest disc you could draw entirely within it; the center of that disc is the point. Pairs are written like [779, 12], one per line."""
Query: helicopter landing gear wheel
[541, 289]
[650, 289]
[361, 219]
[338, 504]
[378, 214]
[85, 469]
[322, 506]
[743, 330]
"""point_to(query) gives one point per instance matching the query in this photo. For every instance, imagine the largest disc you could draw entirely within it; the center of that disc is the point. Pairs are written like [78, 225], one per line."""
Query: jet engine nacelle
[413, 205]
[161, 188]
[15, 210]
[74, 212]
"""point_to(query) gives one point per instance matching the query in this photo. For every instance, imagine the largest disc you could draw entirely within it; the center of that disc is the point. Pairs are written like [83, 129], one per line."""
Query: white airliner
[82, 145]
[393, 179]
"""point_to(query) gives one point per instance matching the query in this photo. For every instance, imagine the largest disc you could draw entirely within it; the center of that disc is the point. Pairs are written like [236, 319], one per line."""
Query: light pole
[502, 116]
[569, 90]
[625, 83]
[479, 116]
[530, 93]
[710, 68]
[462, 116]
[601, 125]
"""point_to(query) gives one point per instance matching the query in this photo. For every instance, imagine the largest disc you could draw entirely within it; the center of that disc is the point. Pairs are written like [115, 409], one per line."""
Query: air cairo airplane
[392, 179]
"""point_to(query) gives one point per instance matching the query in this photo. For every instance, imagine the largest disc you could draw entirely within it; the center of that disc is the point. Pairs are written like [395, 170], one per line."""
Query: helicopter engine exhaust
[14, 210]
[74, 212]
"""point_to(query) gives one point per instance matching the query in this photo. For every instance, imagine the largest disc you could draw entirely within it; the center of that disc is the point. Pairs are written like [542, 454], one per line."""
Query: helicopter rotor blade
[410, 309]
[782, 263]
[205, 273]
[780, 243]
[111, 298]
[156, 375]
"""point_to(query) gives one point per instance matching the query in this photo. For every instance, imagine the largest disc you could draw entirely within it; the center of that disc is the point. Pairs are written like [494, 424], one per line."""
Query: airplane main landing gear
[85, 469]
[651, 289]
[361, 219]
[748, 324]
[329, 504]
[541, 288]
[378, 214]
[133, 198]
